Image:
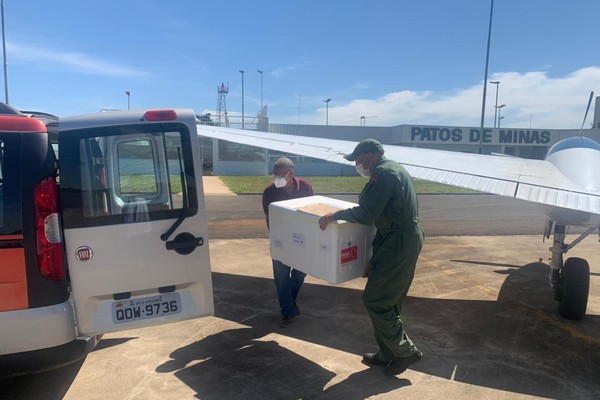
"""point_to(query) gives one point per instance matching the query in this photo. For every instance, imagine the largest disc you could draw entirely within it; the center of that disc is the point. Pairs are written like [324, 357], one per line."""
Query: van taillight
[49, 238]
[160, 115]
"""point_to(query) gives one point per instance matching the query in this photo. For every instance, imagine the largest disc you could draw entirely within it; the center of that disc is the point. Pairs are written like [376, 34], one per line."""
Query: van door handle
[184, 243]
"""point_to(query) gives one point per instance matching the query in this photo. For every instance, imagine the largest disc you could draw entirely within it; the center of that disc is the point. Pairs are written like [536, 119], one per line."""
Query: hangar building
[235, 159]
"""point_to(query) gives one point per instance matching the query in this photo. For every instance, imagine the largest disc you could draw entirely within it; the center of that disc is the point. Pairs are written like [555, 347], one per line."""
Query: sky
[392, 62]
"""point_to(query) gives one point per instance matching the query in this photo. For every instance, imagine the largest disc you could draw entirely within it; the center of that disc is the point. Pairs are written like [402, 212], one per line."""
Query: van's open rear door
[134, 222]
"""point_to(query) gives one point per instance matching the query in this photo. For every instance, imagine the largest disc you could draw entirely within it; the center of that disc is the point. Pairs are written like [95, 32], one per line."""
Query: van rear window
[10, 186]
[114, 176]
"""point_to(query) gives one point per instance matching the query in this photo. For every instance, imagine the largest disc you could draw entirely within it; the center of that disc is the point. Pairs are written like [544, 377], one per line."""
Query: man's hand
[325, 220]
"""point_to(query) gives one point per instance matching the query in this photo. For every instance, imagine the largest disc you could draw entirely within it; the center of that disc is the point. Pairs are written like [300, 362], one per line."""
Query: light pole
[261, 88]
[128, 93]
[497, 83]
[299, 106]
[498, 110]
[4, 57]
[327, 112]
[242, 72]
[487, 59]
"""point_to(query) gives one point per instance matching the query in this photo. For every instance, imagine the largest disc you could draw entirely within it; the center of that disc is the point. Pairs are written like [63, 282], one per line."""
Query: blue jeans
[288, 282]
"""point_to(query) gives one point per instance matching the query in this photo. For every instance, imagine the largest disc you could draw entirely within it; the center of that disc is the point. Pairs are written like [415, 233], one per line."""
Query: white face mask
[280, 182]
[362, 171]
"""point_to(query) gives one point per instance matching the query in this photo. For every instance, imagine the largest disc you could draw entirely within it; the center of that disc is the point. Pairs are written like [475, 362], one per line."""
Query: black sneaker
[371, 360]
[399, 365]
[287, 321]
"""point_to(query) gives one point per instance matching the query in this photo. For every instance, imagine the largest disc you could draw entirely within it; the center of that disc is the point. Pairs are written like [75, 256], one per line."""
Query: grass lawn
[256, 184]
[146, 184]
[328, 184]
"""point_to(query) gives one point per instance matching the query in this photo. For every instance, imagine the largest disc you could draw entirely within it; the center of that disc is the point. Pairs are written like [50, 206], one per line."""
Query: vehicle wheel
[575, 288]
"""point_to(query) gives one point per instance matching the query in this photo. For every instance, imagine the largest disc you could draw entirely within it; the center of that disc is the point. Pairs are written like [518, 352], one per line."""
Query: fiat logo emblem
[84, 253]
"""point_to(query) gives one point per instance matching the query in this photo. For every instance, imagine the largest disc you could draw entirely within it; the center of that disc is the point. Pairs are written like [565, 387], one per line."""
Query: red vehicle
[117, 242]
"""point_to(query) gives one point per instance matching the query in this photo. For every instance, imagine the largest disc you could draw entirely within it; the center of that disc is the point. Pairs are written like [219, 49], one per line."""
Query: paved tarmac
[480, 309]
[242, 217]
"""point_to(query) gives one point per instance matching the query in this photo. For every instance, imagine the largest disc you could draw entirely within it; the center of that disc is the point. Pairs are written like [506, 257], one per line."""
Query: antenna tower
[222, 105]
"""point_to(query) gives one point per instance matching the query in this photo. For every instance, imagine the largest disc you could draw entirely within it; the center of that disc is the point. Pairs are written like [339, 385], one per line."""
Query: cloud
[71, 61]
[531, 99]
[285, 69]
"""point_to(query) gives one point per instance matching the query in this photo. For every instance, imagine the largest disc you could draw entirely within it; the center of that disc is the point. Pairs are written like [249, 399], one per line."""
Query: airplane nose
[580, 166]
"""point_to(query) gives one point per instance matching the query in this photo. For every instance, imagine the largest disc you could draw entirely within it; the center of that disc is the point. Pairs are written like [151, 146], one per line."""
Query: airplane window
[574, 142]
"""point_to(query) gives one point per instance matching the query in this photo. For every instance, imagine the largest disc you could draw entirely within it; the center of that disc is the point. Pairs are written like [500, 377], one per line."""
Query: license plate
[146, 308]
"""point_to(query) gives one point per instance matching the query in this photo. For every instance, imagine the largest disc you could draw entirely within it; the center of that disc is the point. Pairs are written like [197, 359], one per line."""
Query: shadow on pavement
[247, 363]
[110, 342]
[236, 364]
[54, 384]
[518, 343]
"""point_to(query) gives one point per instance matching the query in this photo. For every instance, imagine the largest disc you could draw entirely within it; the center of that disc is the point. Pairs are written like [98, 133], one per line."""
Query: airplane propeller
[586, 111]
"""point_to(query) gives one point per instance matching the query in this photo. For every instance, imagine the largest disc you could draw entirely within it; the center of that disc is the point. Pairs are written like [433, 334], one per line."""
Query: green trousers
[393, 265]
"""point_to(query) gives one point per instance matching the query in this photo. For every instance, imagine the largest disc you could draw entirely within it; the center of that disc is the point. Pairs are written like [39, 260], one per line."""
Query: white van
[112, 238]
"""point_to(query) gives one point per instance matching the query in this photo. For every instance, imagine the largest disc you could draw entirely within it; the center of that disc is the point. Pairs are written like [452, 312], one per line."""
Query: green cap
[365, 146]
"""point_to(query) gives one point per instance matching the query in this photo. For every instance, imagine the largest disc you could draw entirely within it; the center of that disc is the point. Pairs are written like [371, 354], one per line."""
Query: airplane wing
[532, 180]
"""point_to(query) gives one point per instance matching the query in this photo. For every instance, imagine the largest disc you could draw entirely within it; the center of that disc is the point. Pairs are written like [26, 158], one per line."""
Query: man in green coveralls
[388, 200]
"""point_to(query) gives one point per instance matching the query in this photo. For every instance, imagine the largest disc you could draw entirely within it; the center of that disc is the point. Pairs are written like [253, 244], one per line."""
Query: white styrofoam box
[338, 254]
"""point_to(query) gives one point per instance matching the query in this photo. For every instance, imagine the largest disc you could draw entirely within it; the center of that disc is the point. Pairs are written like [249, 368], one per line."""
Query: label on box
[298, 239]
[349, 254]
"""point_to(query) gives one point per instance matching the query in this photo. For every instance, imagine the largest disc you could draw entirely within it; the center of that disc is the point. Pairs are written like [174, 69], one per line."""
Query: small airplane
[566, 184]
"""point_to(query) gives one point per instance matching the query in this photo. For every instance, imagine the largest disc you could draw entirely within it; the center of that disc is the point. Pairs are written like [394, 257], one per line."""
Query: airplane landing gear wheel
[575, 287]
